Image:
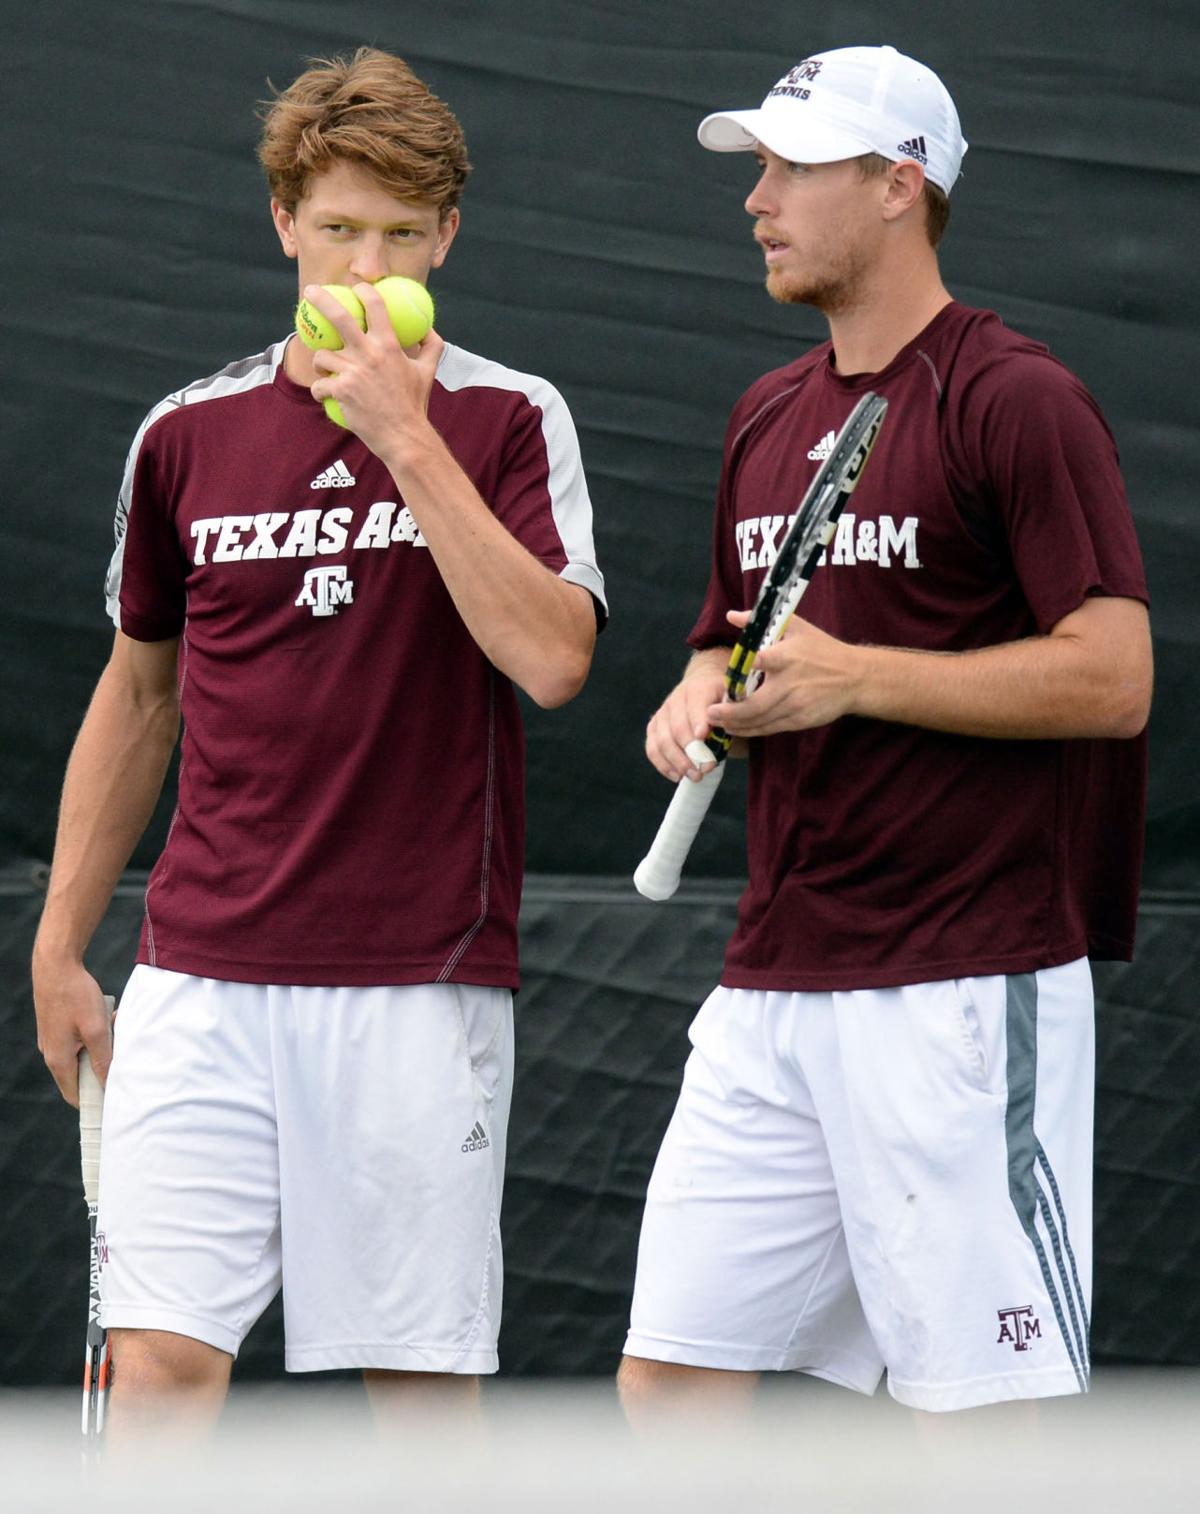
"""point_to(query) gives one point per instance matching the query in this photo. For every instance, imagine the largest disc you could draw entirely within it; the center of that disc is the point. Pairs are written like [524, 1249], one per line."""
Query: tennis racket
[811, 531]
[96, 1356]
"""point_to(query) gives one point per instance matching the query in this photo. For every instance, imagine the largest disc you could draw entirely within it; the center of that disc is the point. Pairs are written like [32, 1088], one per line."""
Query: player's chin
[786, 289]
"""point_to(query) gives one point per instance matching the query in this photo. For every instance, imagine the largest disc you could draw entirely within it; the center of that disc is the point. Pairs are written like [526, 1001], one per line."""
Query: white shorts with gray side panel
[891, 1179]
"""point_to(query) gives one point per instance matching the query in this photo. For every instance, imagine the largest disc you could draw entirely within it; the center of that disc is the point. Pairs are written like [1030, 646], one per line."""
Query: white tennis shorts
[891, 1179]
[347, 1142]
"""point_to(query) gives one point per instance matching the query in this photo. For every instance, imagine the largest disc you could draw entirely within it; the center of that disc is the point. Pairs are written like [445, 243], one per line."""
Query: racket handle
[657, 875]
[91, 1110]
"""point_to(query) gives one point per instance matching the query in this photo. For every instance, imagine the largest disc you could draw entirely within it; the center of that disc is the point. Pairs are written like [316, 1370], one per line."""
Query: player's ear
[285, 227]
[446, 232]
[905, 186]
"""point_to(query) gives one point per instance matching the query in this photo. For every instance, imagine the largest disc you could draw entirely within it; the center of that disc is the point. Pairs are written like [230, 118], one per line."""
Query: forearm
[710, 661]
[113, 781]
[535, 627]
[1036, 689]
[1090, 676]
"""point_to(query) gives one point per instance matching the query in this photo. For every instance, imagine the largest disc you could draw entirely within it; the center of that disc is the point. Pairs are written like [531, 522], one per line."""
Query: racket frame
[799, 555]
[97, 1360]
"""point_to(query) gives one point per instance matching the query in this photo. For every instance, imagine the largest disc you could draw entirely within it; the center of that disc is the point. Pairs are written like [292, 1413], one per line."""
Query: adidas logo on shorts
[477, 1140]
[336, 477]
[822, 449]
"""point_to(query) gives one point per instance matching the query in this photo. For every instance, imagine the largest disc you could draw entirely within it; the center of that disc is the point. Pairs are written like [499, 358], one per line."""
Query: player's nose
[759, 202]
[369, 263]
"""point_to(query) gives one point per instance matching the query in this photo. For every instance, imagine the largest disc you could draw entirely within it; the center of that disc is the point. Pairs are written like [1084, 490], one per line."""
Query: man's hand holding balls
[408, 306]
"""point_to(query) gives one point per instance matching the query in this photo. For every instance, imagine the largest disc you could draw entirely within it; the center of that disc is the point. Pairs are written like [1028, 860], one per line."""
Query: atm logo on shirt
[886, 541]
[325, 589]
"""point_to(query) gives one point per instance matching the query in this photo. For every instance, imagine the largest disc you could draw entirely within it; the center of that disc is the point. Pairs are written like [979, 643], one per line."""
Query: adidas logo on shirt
[477, 1140]
[822, 449]
[336, 477]
[915, 148]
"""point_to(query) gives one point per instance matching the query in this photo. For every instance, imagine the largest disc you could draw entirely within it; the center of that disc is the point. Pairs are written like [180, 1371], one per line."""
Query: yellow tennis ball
[334, 411]
[409, 307]
[317, 331]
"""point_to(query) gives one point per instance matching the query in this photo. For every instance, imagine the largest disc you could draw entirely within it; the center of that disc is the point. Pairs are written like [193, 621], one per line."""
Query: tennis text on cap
[1019, 1327]
[792, 83]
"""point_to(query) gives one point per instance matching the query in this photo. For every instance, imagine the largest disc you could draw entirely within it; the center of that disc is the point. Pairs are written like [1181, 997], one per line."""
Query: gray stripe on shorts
[1024, 1150]
[1076, 1292]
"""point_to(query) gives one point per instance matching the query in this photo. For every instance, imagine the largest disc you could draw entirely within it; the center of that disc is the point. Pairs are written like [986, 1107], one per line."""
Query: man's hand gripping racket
[96, 1360]
[657, 876]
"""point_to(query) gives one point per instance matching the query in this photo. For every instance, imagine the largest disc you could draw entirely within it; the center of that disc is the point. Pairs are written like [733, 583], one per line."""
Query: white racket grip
[657, 875]
[91, 1111]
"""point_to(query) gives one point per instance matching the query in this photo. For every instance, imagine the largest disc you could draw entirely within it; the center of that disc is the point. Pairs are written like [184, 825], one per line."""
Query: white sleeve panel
[246, 373]
[112, 580]
[570, 503]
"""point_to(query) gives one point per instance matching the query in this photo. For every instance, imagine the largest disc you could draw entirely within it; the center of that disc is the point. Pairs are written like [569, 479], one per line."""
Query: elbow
[1117, 679]
[556, 684]
[563, 652]
[1129, 718]
[155, 715]
[1128, 709]
[1136, 692]
[163, 719]
[169, 727]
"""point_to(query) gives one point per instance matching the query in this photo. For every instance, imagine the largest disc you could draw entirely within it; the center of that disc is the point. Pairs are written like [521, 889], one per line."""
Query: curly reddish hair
[370, 110]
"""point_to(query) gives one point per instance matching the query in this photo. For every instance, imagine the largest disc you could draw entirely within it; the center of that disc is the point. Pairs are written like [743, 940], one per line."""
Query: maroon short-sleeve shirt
[992, 506]
[351, 786]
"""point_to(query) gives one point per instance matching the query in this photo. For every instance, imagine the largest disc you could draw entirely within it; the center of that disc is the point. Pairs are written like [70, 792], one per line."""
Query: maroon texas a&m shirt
[351, 785]
[992, 506]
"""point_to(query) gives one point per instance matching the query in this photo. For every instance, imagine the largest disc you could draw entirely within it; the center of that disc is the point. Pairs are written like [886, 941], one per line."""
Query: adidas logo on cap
[915, 148]
[477, 1140]
[822, 449]
[336, 477]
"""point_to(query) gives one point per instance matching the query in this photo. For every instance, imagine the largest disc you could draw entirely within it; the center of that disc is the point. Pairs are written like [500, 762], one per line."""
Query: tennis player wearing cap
[881, 1154]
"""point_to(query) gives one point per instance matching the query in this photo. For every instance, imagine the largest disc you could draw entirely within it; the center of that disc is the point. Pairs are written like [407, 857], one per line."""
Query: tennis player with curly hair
[312, 1060]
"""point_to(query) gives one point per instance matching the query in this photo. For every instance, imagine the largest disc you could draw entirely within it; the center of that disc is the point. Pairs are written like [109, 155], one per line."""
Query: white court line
[562, 1448]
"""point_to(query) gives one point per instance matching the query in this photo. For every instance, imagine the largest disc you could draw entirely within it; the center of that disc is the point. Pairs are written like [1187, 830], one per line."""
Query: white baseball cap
[847, 102]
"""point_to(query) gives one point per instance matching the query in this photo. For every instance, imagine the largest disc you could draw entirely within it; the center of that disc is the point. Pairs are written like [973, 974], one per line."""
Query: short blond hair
[370, 110]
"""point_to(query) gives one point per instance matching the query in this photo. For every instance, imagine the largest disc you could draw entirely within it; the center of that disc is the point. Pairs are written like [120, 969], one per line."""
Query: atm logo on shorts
[1019, 1327]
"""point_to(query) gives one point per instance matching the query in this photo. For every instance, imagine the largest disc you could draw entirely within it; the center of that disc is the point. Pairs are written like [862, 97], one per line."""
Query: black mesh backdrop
[603, 248]
[611, 983]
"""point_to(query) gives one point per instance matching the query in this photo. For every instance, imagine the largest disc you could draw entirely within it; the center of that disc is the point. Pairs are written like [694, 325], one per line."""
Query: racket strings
[802, 548]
